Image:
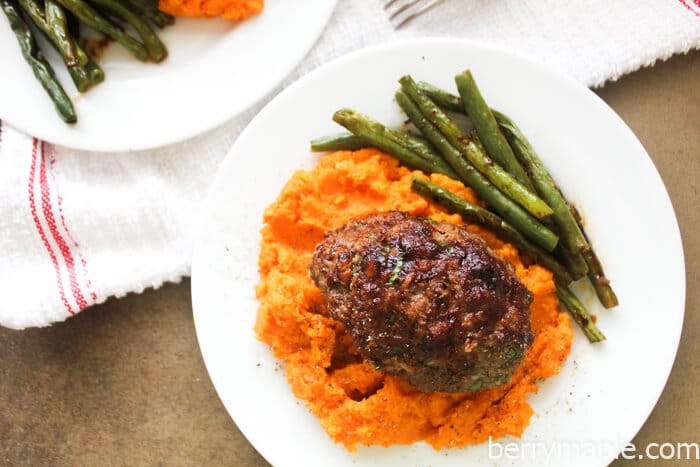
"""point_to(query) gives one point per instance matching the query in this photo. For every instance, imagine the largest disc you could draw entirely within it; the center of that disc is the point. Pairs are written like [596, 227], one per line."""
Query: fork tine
[408, 10]
[403, 8]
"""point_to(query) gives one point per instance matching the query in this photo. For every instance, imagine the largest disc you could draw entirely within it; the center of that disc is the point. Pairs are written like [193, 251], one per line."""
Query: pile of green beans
[525, 205]
[60, 22]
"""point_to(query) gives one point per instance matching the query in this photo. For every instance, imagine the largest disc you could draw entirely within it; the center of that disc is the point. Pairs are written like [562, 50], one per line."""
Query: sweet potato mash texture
[356, 404]
[235, 10]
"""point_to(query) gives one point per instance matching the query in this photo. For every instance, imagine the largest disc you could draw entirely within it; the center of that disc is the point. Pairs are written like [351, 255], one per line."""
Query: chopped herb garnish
[356, 264]
[446, 246]
[512, 354]
[397, 270]
[476, 385]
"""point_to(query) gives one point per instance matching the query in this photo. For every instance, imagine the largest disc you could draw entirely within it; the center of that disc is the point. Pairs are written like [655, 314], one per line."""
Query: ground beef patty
[427, 302]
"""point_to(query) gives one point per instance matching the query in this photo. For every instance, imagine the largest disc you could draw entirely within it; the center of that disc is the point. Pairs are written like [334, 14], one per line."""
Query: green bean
[51, 19]
[340, 142]
[596, 274]
[149, 10]
[94, 72]
[578, 265]
[398, 144]
[57, 34]
[66, 47]
[495, 173]
[601, 284]
[156, 48]
[84, 76]
[88, 15]
[580, 314]
[57, 22]
[574, 263]
[509, 210]
[486, 126]
[41, 68]
[571, 236]
[442, 98]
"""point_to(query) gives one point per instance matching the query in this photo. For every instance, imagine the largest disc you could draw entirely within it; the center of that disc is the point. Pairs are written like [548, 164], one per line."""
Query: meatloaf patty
[427, 302]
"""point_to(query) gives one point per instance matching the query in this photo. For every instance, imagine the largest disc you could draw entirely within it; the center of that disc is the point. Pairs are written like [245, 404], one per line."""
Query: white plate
[604, 393]
[216, 69]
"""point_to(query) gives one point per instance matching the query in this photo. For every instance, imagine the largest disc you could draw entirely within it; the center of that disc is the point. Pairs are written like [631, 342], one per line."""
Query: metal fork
[402, 11]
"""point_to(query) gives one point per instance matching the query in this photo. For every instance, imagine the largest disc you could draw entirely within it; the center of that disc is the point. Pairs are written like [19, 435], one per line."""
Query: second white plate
[216, 69]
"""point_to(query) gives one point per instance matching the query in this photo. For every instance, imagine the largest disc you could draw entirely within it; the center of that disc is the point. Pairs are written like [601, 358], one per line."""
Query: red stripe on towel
[690, 7]
[65, 250]
[40, 229]
[76, 247]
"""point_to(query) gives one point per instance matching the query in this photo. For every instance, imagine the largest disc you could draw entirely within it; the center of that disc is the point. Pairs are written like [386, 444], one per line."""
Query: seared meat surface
[427, 302]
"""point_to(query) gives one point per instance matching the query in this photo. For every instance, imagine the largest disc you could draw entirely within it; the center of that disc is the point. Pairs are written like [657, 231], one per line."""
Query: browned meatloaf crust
[427, 302]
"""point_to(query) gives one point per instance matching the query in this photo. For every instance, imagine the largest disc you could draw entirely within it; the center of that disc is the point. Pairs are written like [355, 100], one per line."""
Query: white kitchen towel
[78, 227]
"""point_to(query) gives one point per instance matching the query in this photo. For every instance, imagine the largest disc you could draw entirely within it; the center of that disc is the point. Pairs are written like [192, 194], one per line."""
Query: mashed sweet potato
[228, 9]
[356, 403]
